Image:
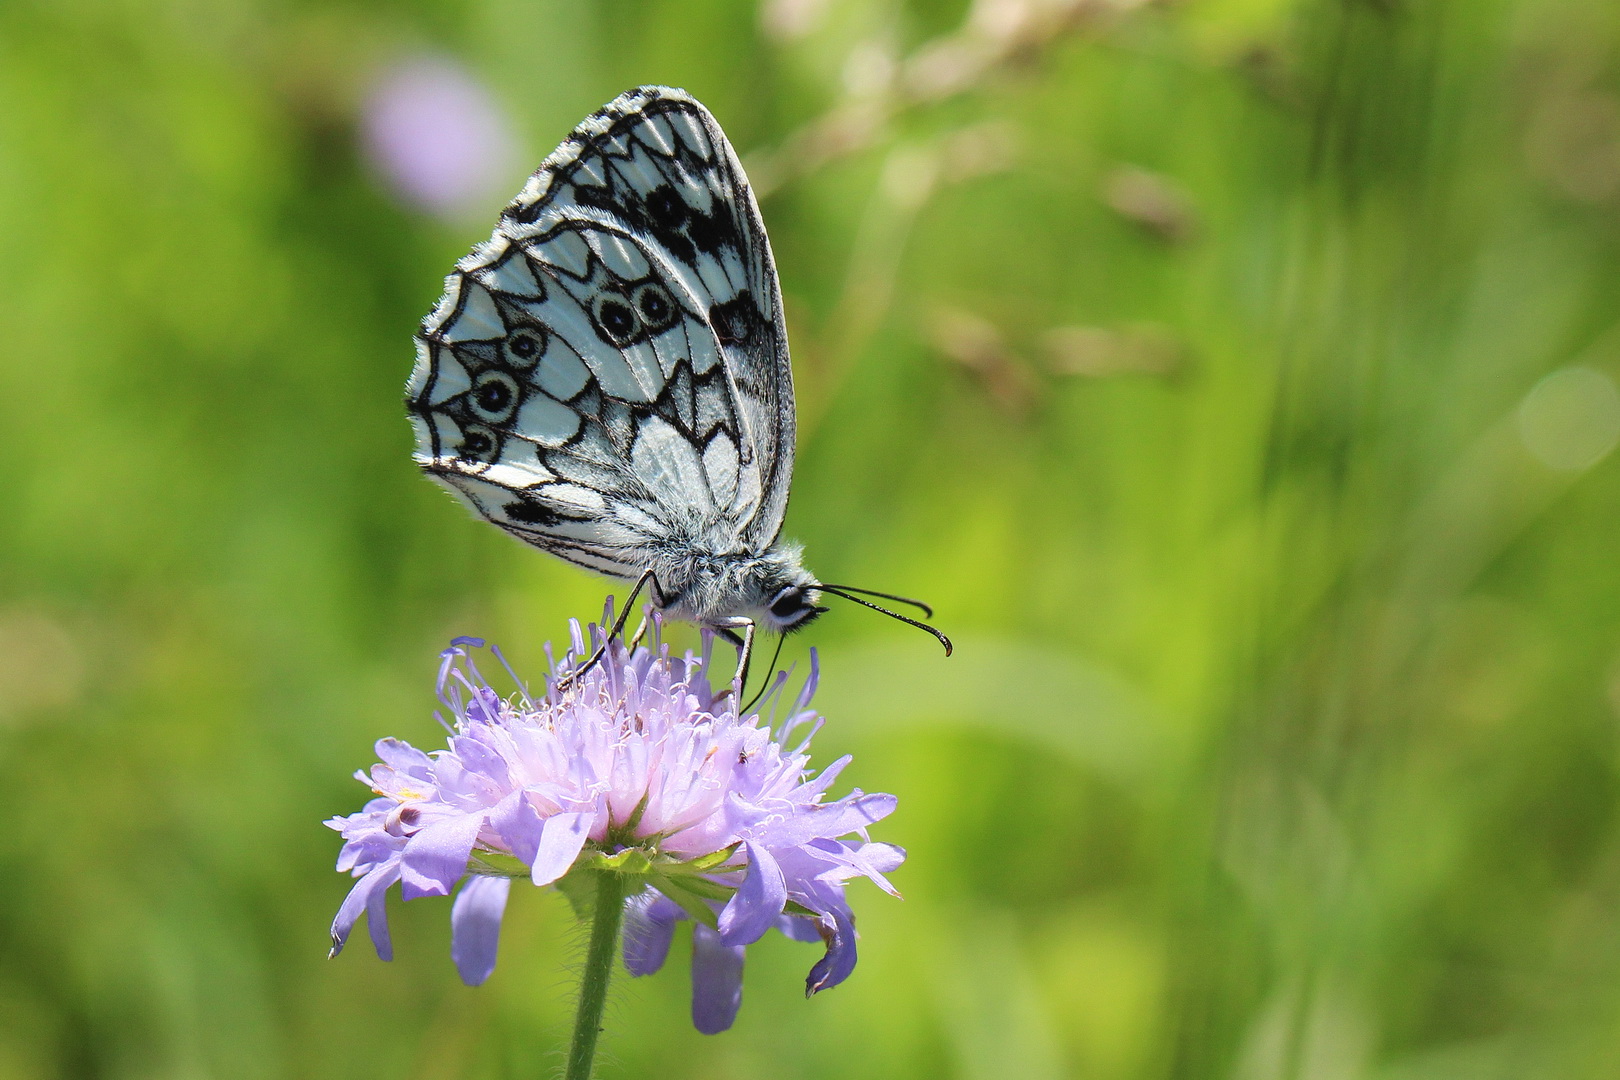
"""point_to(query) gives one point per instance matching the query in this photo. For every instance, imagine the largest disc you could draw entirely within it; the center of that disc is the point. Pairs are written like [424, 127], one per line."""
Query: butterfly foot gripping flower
[641, 793]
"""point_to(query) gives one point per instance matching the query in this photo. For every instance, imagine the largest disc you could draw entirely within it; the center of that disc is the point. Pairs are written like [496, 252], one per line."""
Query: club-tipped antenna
[838, 590]
[928, 612]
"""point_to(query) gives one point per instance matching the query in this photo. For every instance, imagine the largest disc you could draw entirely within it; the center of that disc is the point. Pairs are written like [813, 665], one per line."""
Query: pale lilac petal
[649, 927]
[436, 857]
[375, 884]
[377, 923]
[482, 760]
[824, 780]
[561, 842]
[753, 908]
[519, 824]
[365, 844]
[882, 858]
[403, 757]
[870, 861]
[817, 820]
[475, 926]
[716, 981]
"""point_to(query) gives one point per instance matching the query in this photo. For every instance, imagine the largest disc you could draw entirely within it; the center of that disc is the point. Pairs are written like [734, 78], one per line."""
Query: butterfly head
[788, 594]
[793, 606]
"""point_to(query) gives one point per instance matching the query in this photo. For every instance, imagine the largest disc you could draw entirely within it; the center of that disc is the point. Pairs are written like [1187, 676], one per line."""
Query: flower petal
[753, 908]
[561, 840]
[871, 860]
[822, 782]
[835, 966]
[798, 928]
[483, 760]
[401, 756]
[851, 814]
[436, 857]
[475, 926]
[374, 884]
[377, 924]
[519, 824]
[649, 927]
[716, 981]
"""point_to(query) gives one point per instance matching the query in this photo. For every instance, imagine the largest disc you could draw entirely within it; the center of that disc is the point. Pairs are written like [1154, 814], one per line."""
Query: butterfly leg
[641, 631]
[647, 579]
[728, 628]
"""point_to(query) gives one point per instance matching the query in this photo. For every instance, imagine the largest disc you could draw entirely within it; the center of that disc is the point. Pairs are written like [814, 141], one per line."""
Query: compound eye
[524, 346]
[617, 320]
[787, 603]
[478, 443]
[495, 396]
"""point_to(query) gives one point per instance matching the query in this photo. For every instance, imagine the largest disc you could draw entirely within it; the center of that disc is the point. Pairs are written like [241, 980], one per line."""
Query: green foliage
[1181, 354]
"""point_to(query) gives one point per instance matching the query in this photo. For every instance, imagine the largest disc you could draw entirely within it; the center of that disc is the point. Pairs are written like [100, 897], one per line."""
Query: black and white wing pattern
[608, 374]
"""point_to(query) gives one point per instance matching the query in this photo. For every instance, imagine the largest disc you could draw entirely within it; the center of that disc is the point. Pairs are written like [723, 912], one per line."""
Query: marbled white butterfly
[607, 378]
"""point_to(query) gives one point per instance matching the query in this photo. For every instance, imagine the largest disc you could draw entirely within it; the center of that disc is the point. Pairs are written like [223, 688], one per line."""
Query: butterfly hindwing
[592, 414]
[609, 371]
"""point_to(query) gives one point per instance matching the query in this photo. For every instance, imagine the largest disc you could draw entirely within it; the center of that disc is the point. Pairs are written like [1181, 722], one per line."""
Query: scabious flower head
[638, 768]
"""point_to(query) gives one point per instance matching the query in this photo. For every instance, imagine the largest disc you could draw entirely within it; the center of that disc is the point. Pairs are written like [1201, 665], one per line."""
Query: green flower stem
[598, 969]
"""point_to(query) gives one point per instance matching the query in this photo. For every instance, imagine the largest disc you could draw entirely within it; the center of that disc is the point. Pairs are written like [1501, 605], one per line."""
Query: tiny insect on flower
[640, 768]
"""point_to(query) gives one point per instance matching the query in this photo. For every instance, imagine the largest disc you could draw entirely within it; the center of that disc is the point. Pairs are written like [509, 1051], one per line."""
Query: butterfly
[607, 376]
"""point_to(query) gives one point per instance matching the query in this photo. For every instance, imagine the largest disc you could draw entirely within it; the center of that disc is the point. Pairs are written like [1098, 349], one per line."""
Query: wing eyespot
[615, 320]
[524, 346]
[479, 444]
[495, 396]
[655, 306]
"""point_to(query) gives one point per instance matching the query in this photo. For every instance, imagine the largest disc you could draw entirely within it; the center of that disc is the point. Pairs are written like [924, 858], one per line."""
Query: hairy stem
[598, 969]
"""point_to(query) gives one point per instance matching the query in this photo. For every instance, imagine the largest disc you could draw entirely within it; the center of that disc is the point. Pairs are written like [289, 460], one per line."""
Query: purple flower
[638, 768]
[438, 137]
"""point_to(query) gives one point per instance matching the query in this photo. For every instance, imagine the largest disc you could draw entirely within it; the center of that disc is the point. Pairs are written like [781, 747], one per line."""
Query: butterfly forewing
[609, 371]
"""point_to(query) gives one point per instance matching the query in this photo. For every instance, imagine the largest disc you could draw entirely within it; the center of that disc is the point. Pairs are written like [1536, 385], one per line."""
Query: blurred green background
[1236, 376]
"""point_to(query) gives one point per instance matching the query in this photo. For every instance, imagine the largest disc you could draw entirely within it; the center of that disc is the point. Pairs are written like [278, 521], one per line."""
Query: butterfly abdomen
[710, 586]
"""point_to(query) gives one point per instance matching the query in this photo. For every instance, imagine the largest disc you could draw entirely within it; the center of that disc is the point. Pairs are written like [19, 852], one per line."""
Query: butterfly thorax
[771, 588]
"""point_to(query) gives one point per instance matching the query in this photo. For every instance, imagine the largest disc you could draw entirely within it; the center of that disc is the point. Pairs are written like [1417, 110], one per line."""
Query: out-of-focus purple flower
[438, 137]
[637, 768]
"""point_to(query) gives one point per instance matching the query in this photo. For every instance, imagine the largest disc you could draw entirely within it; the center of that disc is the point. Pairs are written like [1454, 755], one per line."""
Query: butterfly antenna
[928, 612]
[837, 590]
[770, 675]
